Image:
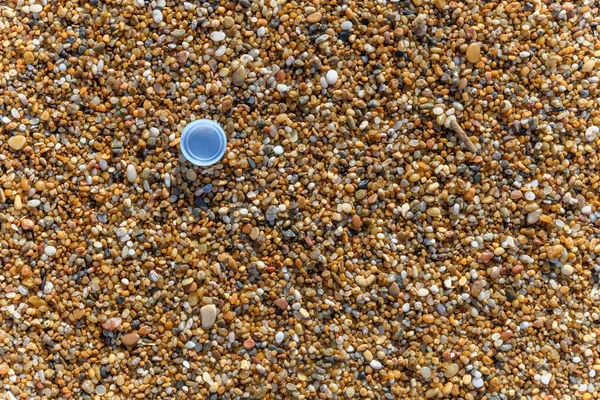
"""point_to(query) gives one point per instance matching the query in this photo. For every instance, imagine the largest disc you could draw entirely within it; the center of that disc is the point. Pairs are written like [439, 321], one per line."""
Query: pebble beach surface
[408, 207]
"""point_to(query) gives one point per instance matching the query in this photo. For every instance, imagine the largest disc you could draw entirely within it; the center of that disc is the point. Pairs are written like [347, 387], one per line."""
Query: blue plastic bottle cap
[203, 142]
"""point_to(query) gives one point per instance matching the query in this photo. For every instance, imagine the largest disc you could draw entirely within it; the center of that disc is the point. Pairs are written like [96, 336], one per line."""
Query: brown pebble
[356, 223]
[394, 289]
[473, 53]
[281, 303]
[314, 17]
[249, 344]
[27, 224]
[28, 57]
[130, 339]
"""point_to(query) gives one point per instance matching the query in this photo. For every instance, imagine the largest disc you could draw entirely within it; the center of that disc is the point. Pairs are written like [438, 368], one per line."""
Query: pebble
[376, 365]
[281, 304]
[49, 250]
[331, 77]
[208, 313]
[130, 339]
[131, 173]
[314, 17]
[217, 36]
[567, 270]
[157, 16]
[278, 150]
[29, 57]
[346, 25]
[473, 53]
[249, 344]
[112, 323]
[591, 133]
[239, 76]
[17, 142]
[279, 337]
[451, 370]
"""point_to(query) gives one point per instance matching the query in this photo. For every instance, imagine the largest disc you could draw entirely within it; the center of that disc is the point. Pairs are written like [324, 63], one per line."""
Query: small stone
[36, 8]
[281, 303]
[473, 53]
[356, 223]
[130, 339]
[591, 133]
[567, 270]
[440, 4]
[100, 390]
[426, 372]
[249, 344]
[131, 173]
[112, 323]
[588, 66]
[217, 36]
[451, 370]
[278, 150]
[17, 142]
[239, 76]
[314, 17]
[546, 378]
[346, 25]
[49, 251]
[157, 16]
[346, 208]
[28, 57]
[27, 224]
[477, 383]
[208, 314]
[376, 365]
[331, 77]
[394, 289]
[279, 337]
[4, 368]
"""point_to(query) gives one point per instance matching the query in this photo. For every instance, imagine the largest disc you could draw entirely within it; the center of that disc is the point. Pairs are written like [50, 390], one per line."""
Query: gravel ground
[408, 207]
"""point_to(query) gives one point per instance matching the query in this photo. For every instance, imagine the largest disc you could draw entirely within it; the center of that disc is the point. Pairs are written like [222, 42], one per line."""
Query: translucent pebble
[49, 251]
[157, 16]
[346, 25]
[279, 337]
[217, 36]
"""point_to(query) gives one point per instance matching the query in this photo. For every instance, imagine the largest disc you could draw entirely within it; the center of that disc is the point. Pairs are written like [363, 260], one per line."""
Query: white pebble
[546, 379]
[346, 25]
[331, 77]
[131, 173]
[278, 150]
[49, 251]
[217, 36]
[566, 270]
[375, 364]
[477, 383]
[422, 292]
[591, 133]
[157, 16]
[279, 337]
